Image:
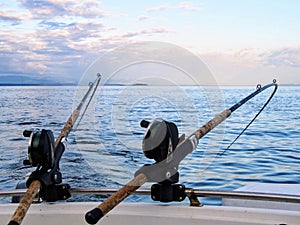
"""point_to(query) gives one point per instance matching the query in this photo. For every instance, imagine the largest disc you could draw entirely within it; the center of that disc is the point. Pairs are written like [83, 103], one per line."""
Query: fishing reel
[160, 139]
[40, 148]
[159, 143]
[43, 155]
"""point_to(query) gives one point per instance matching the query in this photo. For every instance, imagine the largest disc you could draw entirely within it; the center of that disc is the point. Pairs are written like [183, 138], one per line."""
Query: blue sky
[242, 42]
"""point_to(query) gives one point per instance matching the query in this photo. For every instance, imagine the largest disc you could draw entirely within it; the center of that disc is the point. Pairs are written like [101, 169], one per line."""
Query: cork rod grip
[25, 203]
[93, 216]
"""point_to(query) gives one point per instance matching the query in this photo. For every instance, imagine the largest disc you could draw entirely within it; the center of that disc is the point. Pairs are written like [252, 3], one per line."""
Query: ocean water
[105, 149]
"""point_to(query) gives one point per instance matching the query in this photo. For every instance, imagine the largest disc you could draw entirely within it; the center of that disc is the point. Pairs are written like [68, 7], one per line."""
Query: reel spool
[40, 148]
[160, 139]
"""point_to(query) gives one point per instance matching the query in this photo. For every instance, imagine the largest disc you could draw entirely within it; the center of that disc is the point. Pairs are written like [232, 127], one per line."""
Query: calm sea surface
[105, 149]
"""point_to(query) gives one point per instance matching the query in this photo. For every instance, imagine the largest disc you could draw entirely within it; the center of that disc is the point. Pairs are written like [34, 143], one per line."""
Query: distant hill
[15, 80]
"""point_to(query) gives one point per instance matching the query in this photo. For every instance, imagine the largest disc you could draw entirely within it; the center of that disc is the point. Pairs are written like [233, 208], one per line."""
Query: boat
[255, 204]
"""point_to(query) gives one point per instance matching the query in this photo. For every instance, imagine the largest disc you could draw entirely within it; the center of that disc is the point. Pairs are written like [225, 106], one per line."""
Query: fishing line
[236, 106]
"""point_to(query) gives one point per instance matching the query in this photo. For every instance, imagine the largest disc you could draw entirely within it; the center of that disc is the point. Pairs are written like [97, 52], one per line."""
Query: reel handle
[144, 123]
[27, 133]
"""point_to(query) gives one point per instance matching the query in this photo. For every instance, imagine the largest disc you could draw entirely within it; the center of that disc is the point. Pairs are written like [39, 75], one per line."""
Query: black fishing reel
[160, 139]
[159, 143]
[40, 148]
[43, 155]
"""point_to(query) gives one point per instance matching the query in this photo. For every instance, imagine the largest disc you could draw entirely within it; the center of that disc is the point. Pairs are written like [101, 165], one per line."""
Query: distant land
[15, 80]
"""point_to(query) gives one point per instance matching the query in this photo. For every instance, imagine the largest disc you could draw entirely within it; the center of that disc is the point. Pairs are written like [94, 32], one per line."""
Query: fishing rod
[161, 143]
[236, 106]
[88, 103]
[45, 154]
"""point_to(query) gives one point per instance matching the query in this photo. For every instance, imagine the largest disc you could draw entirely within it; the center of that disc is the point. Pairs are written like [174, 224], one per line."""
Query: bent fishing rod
[161, 143]
[45, 154]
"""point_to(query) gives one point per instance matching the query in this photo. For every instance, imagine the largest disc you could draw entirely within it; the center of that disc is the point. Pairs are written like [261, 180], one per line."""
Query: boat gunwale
[198, 193]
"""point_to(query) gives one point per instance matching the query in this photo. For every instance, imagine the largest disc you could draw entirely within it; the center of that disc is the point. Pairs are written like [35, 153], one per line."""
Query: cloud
[57, 37]
[143, 17]
[37, 67]
[23, 54]
[159, 8]
[182, 5]
[43, 9]
[189, 6]
[289, 57]
[11, 16]
[251, 57]
[58, 8]
[54, 25]
[147, 32]
[37, 52]
[58, 48]
[251, 65]
[74, 31]
[14, 20]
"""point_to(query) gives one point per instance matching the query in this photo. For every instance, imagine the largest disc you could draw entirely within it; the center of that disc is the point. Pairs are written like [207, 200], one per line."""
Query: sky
[241, 42]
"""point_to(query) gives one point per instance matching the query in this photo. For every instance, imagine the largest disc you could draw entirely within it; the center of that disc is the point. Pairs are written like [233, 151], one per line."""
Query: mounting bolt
[168, 175]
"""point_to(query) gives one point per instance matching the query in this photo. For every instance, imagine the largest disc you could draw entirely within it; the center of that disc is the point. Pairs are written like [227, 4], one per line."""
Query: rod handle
[219, 118]
[25, 203]
[93, 216]
[13, 223]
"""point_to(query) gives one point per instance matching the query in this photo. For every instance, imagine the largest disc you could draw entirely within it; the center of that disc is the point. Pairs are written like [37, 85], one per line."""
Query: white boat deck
[233, 212]
[270, 188]
[152, 214]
